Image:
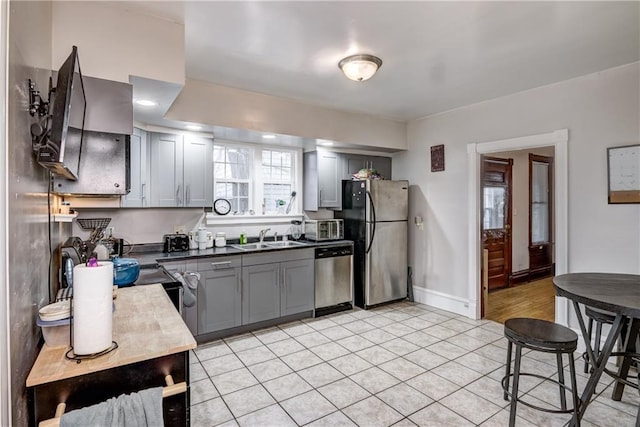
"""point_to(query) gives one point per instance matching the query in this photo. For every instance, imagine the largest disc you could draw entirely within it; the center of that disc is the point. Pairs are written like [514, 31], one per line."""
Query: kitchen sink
[267, 245]
[287, 244]
[251, 246]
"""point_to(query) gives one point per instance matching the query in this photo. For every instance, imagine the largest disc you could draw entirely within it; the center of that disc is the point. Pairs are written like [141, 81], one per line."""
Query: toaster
[175, 243]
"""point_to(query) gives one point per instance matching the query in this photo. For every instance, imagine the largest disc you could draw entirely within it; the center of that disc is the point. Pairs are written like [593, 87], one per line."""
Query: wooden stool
[547, 337]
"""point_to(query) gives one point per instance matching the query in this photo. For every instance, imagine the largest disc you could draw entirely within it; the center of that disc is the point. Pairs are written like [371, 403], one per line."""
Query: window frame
[256, 179]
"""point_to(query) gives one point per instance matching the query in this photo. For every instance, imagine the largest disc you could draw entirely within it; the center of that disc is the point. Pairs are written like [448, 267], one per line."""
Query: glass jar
[221, 239]
[296, 229]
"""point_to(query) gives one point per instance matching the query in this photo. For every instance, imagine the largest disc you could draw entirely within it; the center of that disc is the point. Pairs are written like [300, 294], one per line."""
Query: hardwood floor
[533, 299]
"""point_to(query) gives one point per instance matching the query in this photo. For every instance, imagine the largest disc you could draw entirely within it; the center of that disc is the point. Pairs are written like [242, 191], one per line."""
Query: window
[277, 178]
[255, 179]
[539, 192]
[231, 176]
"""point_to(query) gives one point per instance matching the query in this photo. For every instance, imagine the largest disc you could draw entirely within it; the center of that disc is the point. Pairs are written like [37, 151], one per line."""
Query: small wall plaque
[437, 158]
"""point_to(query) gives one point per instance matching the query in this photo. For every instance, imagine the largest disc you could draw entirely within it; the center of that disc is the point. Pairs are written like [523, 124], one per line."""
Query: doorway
[559, 141]
[517, 238]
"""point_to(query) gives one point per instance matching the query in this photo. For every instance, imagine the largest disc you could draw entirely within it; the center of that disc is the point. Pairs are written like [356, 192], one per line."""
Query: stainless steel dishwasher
[334, 279]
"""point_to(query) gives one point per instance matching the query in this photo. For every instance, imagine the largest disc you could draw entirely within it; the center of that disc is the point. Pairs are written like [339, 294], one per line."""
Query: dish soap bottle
[243, 238]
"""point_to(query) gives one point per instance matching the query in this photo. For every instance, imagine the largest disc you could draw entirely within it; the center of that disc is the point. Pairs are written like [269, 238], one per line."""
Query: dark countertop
[151, 259]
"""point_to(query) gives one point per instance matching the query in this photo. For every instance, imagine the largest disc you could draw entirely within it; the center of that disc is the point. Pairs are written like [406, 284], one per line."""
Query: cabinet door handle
[188, 198]
[178, 201]
[220, 265]
[282, 279]
[143, 196]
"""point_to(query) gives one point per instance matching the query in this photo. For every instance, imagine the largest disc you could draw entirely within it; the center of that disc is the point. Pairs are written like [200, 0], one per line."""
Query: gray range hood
[104, 160]
[104, 165]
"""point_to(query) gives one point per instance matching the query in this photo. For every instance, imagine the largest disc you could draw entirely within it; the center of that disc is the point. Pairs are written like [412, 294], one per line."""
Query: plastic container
[221, 239]
[243, 238]
[56, 332]
[125, 271]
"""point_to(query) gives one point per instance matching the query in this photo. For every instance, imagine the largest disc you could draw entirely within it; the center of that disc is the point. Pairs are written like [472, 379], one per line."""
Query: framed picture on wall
[437, 158]
[623, 165]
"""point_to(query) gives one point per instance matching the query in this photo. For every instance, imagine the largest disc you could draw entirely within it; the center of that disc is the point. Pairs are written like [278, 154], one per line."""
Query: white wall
[600, 110]
[114, 42]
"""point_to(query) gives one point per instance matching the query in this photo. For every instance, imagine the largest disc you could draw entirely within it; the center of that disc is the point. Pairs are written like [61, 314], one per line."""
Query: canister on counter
[221, 239]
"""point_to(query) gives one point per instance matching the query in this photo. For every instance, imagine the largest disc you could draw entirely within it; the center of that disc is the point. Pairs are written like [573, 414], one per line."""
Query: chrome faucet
[263, 233]
[275, 236]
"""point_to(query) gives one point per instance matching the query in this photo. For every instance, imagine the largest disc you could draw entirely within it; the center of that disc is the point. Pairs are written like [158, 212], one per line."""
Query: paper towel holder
[70, 355]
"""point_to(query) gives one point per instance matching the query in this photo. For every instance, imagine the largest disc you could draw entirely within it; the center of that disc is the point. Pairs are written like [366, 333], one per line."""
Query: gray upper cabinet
[167, 186]
[352, 163]
[198, 171]
[322, 187]
[181, 170]
[139, 171]
[219, 294]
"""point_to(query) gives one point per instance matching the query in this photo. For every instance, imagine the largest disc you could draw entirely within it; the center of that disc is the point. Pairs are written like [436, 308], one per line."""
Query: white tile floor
[403, 364]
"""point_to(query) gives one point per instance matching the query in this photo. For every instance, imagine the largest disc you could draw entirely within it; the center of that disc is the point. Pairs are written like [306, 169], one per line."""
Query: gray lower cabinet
[219, 294]
[277, 284]
[261, 296]
[298, 287]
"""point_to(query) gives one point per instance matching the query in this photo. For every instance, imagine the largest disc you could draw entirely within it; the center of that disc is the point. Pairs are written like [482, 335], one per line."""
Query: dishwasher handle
[333, 251]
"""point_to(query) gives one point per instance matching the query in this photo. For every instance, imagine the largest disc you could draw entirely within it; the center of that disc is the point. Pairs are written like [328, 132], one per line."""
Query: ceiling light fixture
[193, 127]
[146, 103]
[269, 136]
[360, 67]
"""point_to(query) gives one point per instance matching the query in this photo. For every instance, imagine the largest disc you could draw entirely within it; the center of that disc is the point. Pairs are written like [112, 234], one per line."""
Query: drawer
[219, 263]
[269, 257]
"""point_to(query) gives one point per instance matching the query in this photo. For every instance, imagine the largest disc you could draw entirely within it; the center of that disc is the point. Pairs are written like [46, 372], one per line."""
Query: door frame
[559, 140]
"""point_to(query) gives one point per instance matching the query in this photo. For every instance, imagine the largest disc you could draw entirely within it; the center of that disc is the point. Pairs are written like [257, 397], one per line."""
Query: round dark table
[614, 292]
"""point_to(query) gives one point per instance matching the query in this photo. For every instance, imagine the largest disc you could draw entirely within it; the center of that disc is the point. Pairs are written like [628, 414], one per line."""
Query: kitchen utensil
[125, 271]
[293, 197]
[202, 239]
[175, 242]
[193, 240]
[221, 239]
[296, 229]
[56, 311]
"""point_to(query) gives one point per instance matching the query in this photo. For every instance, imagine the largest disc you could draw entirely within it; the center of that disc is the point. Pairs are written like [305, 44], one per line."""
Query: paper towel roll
[92, 308]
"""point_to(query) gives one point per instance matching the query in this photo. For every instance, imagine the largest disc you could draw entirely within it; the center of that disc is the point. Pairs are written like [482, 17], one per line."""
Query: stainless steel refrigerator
[375, 217]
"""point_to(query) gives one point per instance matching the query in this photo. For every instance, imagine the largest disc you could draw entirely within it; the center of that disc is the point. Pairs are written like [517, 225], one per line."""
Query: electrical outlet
[179, 229]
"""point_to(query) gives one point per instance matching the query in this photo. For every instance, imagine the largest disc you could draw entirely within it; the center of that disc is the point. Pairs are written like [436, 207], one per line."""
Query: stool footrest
[550, 410]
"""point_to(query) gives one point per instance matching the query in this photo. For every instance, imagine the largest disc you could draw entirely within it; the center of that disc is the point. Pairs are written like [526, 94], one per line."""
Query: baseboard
[444, 301]
[521, 276]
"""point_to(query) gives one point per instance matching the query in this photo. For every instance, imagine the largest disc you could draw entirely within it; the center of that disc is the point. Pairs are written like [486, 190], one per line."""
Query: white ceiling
[437, 55]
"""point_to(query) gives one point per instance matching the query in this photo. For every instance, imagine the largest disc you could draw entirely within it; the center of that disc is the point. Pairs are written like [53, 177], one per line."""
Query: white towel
[142, 409]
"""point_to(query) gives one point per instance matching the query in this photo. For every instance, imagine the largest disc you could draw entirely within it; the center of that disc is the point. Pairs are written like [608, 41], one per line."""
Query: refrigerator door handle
[373, 221]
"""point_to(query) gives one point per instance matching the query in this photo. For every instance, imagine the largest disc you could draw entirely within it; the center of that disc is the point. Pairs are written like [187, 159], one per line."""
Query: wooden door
[496, 219]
